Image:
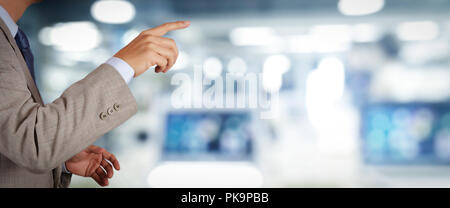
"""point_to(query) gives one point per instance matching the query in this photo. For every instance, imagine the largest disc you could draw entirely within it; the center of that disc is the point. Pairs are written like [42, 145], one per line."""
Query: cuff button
[103, 116]
[116, 107]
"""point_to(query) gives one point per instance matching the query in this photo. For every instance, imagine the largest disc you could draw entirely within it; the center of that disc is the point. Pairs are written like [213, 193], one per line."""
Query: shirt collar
[12, 26]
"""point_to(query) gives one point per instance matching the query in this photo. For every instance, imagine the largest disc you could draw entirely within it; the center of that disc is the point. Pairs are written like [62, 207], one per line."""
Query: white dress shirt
[124, 69]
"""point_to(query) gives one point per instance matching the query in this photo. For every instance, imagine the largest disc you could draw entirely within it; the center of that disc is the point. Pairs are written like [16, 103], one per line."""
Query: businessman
[42, 145]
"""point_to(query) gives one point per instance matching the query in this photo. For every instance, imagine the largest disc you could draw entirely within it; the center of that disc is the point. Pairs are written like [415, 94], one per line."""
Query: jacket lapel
[30, 82]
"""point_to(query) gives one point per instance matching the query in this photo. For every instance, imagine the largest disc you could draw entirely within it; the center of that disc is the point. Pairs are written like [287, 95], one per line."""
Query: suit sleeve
[64, 181]
[40, 138]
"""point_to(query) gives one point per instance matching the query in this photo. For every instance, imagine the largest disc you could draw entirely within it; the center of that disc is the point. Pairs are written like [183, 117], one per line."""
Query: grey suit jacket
[35, 139]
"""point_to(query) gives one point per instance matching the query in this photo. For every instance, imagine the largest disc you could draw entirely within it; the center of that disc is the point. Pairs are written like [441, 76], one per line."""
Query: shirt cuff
[124, 69]
[64, 169]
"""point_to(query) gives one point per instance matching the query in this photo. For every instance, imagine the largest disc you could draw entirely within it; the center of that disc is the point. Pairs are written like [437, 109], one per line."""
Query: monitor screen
[208, 136]
[406, 133]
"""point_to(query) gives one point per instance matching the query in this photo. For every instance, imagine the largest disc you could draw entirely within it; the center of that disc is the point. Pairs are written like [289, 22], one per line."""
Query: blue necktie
[24, 46]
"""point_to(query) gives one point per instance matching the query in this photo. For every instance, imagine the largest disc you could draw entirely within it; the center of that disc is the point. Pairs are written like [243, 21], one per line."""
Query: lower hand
[92, 162]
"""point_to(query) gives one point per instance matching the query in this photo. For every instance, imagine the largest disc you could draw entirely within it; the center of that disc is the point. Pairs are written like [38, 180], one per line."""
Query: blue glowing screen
[406, 134]
[208, 135]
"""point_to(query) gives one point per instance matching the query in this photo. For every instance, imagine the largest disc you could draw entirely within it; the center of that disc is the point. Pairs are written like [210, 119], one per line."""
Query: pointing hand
[150, 48]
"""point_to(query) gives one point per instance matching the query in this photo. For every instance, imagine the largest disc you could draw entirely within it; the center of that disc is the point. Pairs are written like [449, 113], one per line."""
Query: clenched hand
[92, 162]
[150, 48]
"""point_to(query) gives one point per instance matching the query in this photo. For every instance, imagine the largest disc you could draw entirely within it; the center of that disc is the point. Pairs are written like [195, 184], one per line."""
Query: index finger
[167, 27]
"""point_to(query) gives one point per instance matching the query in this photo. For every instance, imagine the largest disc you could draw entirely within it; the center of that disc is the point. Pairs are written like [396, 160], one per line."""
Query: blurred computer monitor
[406, 134]
[208, 136]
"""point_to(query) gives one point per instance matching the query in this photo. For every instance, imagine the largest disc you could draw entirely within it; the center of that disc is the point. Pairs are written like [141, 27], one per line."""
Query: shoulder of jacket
[3, 39]
[6, 49]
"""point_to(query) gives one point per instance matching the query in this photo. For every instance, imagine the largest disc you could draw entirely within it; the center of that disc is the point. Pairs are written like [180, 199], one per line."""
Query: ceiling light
[360, 7]
[331, 38]
[423, 30]
[73, 36]
[364, 33]
[113, 11]
[253, 36]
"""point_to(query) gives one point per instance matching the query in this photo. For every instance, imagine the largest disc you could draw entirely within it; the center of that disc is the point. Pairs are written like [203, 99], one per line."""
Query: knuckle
[143, 33]
[147, 37]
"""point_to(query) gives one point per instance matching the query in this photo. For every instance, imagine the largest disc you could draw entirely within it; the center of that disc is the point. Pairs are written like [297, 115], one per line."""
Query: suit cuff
[124, 69]
[64, 169]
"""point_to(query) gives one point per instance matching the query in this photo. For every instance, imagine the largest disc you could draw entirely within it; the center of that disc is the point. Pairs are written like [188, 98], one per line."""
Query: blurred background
[364, 99]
